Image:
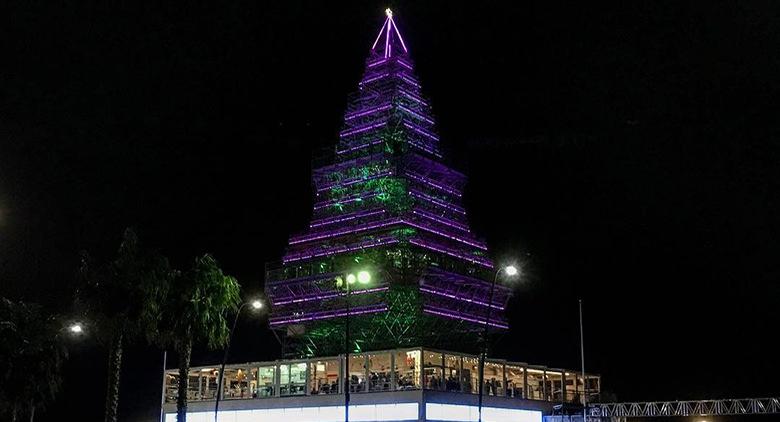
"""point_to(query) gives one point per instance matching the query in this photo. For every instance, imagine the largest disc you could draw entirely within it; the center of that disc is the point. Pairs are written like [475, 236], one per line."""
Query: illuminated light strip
[353, 181]
[331, 220]
[329, 314]
[391, 412]
[362, 196]
[420, 116]
[473, 259]
[438, 202]
[361, 146]
[300, 280]
[362, 129]
[444, 221]
[350, 230]
[399, 34]
[287, 301]
[387, 37]
[405, 64]
[366, 112]
[448, 236]
[378, 62]
[459, 315]
[463, 298]
[422, 147]
[374, 78]
[428, 182]
[365, 245]
[378, 225]
[409, 80]
[413, 97]
[421, 131]
[380, 33]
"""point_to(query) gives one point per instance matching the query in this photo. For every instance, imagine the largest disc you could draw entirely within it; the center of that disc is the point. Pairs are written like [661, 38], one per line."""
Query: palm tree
[194, 313]
[116, 298]
[31, 357]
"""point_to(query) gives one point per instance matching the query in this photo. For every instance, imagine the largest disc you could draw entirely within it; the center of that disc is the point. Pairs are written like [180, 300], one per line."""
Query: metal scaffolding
[724, 407]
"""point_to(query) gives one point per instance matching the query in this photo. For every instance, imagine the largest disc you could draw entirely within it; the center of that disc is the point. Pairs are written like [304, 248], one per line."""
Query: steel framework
[384, 201]
[724, 407]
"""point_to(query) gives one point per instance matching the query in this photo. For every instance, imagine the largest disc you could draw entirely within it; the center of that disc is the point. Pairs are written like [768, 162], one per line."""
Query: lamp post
[362, 277]
[510, 271]
[256, 306]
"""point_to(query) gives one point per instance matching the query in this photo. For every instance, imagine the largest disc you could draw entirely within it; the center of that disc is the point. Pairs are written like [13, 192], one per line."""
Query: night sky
[629, 154]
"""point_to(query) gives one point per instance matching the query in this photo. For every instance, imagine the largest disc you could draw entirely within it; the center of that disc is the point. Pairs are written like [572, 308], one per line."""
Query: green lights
[364, 277]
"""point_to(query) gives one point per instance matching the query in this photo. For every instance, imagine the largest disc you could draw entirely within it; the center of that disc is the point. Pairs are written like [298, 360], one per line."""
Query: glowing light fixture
[511, 270]
[256, 304]
[351, 279]
[76, 328]
[364, 277]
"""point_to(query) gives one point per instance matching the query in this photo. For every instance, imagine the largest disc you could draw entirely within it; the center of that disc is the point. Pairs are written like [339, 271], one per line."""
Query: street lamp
[76, 328]
[509, 271]
[256, 306]
[362, 277]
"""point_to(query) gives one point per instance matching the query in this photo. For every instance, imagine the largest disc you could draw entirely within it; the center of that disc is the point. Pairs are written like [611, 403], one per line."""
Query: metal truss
[725, 407]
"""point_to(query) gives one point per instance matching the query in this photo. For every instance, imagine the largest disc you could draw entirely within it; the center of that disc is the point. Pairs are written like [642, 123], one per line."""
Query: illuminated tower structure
[386, 203]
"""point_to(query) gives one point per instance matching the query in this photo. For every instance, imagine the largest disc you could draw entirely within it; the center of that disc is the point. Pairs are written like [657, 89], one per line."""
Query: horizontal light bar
[342, 249]
[441, 220]
[346, 217]
[421, 131]
[322, 296]
[418, 194]
[329, 314]
[423, 179]
[362, 129]
[459, 297]
[459, 315]
[447, 251]
[362, 113]
[359, 197]
[361, 146]
[418, 115]
[359, 179]
[413, 97]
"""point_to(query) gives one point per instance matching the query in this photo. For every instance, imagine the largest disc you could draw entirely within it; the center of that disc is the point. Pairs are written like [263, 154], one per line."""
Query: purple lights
[316, 316]
[345, 217]
[362, 129]
[322, 296]
[389, 212]
[465, 317]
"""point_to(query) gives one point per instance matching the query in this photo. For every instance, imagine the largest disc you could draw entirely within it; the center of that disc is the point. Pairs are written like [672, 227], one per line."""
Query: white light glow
[389, 13]
[357, 413]
[462, 413]
[257, 304]
[351, 278]
[76, 328]
[364, 277]
[511, 270]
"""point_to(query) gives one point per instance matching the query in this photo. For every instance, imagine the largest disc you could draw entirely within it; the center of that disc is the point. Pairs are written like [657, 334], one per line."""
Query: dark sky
[629, 153]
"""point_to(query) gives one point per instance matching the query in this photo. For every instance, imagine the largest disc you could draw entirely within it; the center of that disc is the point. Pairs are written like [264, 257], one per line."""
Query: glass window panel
[236, 383]
[452, 376]
[535, 387]
[324, 376]
[470, 374]
[494, 379]
[297, 379]
[207, 384]
[171, 387]
[357, 373]
[265, 381]
[515, 381]
[554, 385]
[407, 369]
[432, 370]
[379, 372]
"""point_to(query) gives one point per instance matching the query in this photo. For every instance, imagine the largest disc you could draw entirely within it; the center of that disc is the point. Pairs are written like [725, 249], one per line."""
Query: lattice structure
[386, 204]
[725, 407]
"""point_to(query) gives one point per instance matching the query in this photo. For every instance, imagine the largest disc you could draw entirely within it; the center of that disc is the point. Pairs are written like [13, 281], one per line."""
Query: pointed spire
[393, 43]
